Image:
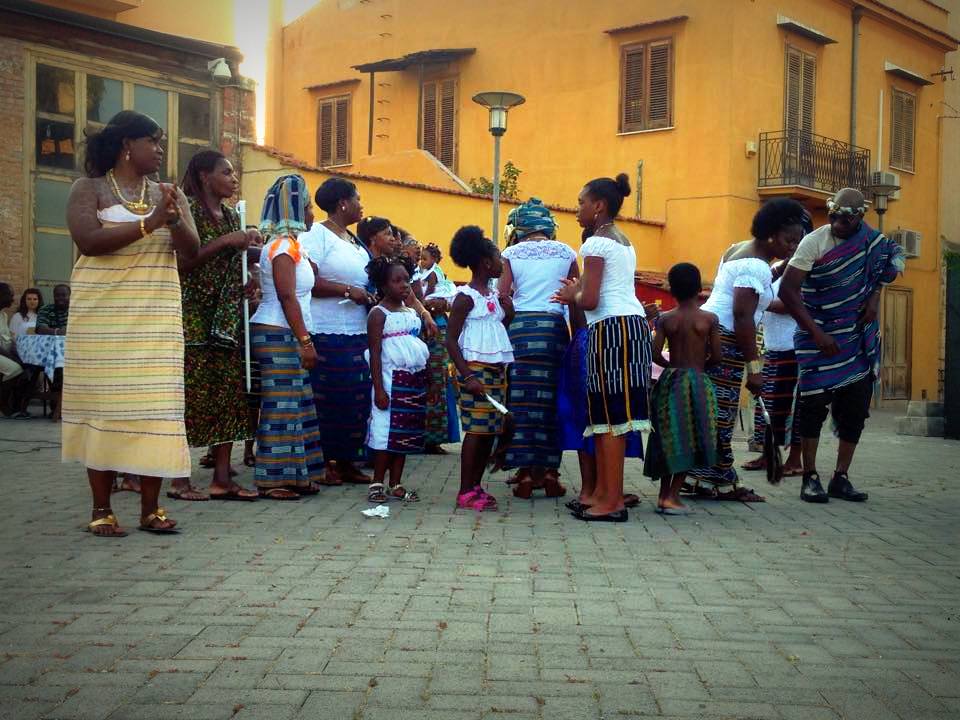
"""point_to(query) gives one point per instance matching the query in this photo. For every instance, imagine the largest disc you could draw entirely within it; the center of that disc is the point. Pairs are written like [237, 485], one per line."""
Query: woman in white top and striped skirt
[619, 346]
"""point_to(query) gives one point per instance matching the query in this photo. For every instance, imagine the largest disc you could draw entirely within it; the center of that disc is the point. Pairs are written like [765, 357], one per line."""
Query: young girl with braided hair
[398, 368]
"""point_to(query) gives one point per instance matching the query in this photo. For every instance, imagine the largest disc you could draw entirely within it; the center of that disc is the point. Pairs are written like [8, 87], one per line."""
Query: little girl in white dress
[398, 366]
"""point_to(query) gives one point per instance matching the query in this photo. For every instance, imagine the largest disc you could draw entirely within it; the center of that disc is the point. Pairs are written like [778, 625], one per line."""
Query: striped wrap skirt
[288, 444]
[619, 354]
[780, 374]
[477, 414]
[539, 341]
[341, 391]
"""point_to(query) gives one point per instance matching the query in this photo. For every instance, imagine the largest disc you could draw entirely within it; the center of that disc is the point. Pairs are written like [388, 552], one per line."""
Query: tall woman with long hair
[212, 285]
[123, 375]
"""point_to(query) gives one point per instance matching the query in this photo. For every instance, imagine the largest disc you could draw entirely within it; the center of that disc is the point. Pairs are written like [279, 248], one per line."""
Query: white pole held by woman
[242, 211]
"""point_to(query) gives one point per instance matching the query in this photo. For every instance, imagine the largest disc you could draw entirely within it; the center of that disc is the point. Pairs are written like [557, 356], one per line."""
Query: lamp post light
[881, 195]
[498, 103]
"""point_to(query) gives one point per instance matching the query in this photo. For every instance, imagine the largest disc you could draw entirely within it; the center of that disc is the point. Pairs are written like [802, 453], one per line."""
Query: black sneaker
[841, 487]
[811, 490]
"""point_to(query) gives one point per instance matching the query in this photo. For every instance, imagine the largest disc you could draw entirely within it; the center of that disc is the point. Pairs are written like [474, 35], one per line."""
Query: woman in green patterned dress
[212, 282]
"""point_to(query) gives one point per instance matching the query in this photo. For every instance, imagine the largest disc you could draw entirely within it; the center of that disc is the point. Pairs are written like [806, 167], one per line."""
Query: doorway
[897, 336]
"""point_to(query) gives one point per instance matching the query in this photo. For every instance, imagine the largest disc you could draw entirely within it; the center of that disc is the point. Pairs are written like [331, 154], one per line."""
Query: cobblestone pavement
[309, 610]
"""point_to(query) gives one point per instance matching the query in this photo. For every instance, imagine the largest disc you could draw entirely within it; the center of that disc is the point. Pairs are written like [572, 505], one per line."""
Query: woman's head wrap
[531, 217]
[284, 207]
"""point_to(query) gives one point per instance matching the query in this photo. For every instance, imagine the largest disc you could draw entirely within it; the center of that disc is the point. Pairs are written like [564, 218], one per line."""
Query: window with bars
[800, 92]
[646, 86]
[333, 132]
[902, 127]
[439, 125]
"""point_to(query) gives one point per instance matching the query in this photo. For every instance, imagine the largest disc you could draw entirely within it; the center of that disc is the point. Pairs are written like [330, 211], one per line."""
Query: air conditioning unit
[886, 178]
[909, 240]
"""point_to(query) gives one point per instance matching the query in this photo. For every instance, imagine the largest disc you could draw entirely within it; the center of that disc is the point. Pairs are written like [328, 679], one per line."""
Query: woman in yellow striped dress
[123, 373]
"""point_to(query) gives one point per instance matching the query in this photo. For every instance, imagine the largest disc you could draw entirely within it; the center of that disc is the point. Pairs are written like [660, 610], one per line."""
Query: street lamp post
[881, 195]
[498, 103]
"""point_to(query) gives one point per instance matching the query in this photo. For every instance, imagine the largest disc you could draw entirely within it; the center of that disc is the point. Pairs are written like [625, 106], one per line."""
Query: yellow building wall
[209, 20]
[698, 177]
[430, 215]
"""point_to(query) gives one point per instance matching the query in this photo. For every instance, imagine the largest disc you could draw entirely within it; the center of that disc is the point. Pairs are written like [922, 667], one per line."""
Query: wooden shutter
[660, 85]
[800, 91]
[430, 118]
[902, 127]
[631, 88]
[333, 132]
[325, 135]
[342, 135]
[448, 123]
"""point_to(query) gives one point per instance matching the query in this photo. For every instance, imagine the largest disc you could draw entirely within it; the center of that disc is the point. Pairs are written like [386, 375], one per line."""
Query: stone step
[924, 408]
[925, 426]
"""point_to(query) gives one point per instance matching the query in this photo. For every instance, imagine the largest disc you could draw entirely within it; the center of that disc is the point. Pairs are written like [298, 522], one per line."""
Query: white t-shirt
[813, 247]
[778, 330]
[617, 294]
[270, 312]
[752, 273]
[19, 326]
[338, 261]
[538, 266]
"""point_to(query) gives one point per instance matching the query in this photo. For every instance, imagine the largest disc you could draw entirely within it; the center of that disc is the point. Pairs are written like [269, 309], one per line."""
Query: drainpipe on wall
[854, 63]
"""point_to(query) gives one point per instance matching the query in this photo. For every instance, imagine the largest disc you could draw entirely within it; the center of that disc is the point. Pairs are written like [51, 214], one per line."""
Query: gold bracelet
[754, 366]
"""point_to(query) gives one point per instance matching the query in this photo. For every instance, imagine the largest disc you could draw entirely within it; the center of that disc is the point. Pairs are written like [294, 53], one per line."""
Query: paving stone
[780, 610]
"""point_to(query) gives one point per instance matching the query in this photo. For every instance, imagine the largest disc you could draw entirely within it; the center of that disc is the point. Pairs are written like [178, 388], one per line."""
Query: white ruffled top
[752, 273]
[402, 348]
[484, 337]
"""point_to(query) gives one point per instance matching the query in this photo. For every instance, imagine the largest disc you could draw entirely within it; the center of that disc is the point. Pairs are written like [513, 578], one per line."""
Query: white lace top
[538, 266]
[402, 347]
[617, 294]
[484, 337]
[270, 312]
[752, 273]
[338, 261]
[778, 330]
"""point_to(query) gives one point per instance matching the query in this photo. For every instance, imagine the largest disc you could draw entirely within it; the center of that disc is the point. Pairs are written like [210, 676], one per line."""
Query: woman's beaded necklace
[140, 207]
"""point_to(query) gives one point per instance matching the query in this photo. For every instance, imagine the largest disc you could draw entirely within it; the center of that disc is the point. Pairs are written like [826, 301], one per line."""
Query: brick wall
[13, 253]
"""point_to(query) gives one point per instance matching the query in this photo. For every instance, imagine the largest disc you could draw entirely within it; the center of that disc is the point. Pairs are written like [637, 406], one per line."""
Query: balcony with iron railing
[805, 165]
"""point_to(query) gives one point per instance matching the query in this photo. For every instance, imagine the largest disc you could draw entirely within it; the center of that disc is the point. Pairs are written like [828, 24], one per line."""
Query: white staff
[242, 211]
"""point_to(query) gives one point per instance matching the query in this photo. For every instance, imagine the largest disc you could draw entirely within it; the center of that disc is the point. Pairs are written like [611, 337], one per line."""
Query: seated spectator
[10, 369]
[25, 317]
[52, 319]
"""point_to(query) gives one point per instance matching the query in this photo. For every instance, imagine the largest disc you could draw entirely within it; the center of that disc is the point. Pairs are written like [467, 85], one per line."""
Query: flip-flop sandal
[110, 520]
[755, 464]
[175, 494]
[673, 511]
[158, 514]
[793, 472]
[630, 500]
[615, 517]
[235, 495]
[266, 495]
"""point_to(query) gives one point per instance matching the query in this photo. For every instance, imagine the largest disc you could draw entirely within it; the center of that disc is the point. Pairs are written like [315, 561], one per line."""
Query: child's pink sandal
[476, 499]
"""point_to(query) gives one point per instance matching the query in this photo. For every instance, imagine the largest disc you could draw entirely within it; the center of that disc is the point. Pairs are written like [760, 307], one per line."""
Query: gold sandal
[110, 520]
[158, 514]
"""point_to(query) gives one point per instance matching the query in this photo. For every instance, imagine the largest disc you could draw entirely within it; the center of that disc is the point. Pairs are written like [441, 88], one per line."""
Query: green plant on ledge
[509, 183]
